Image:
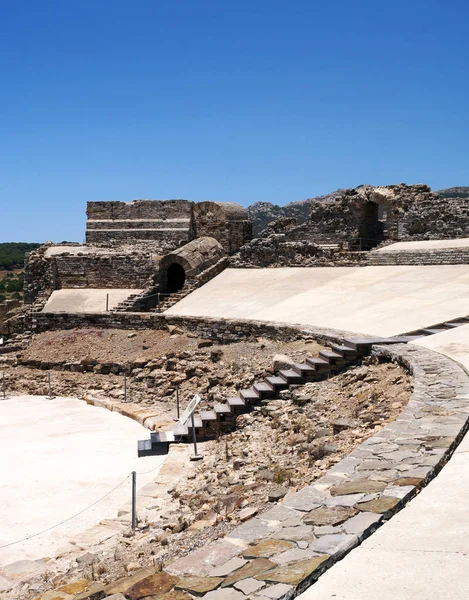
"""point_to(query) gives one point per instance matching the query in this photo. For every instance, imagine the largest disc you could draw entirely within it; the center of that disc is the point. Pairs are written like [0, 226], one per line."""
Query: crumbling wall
[404, 213]
[227, 222]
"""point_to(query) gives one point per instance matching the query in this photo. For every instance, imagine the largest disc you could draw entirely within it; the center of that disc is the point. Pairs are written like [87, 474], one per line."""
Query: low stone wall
[221, 331]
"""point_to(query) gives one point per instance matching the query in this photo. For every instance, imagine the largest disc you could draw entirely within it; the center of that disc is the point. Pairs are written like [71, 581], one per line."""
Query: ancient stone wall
[396, 212]
[97, 271]
[227, 222]
[168, 222]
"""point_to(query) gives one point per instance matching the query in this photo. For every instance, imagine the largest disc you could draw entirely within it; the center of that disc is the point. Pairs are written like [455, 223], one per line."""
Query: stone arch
[187, 262]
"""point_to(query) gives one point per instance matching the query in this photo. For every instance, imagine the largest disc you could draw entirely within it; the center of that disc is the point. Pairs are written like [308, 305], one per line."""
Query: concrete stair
[222, 417]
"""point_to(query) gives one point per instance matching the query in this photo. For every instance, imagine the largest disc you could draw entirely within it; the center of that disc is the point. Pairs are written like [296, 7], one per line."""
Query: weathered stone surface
[253, 568]
[174, 595]
[202, 561]
[358, 486]
[294, 555]
[267, 548]
[294, 573]
[361, 523]
[249, 586]
[198, 585]
[280, 513]
[158, 583]
[227, 594]
[229, 567]
[303, 532]
[123, 584]
[416, 481]
[329, 516]
[252, 530]
[277, 591]
[334, 544]
[75, 587]
[380, 505]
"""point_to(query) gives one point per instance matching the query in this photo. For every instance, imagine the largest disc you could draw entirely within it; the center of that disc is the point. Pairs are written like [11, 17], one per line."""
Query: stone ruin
[154, 245]
[341, 228]
[173, 246]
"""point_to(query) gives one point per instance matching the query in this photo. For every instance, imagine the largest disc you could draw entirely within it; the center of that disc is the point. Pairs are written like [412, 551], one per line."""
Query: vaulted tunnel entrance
[176, 277]
[372, 228]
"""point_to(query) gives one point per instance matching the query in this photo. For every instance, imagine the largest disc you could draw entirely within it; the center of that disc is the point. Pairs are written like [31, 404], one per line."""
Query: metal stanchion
[4, 392]
[50, 396]
[125, 387]
[177, 404]
[134, 500]
[196, 455]
[107, 302]
[158, 302]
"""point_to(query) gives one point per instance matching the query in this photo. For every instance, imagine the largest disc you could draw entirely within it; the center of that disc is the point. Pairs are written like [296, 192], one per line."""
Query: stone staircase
[433, 329]
[222, 417]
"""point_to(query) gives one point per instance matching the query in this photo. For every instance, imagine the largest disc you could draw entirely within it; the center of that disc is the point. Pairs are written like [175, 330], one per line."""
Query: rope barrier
[66, 520]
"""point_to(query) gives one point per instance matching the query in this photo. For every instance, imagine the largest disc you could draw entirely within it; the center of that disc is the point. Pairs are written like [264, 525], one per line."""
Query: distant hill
[12, 254]
[454, 192]
[262, 213]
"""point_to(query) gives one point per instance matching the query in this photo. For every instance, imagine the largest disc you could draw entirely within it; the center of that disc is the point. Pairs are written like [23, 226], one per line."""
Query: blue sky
[241, 101]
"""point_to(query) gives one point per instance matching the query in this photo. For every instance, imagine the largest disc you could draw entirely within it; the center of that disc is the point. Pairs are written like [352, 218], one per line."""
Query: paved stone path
[421, 554]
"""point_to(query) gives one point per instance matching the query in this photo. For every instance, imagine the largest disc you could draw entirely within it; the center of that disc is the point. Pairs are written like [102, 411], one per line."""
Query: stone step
[459, 323]
[198, 423]
[305, 370]
[249, 395]
[236, 401]
[162, 436]
[291, 376]
[208, 415]
[180, 430]
[433, 330]
[276, 382]
[344, 351]
[332, 357]
[318, 363]
[264, 390]
[222, 409]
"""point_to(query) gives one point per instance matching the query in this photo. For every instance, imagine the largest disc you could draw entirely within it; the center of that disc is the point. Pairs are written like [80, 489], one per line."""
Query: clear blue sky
[241, 101]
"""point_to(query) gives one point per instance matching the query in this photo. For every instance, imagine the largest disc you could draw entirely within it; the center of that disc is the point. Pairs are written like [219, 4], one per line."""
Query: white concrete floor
[453, 343]
[86, 301]
[56, 458]
[422, 553]
[425, 245]
[382, 301]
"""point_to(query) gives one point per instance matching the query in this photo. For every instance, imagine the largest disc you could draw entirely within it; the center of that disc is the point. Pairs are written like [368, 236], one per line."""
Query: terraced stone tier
[280, 553]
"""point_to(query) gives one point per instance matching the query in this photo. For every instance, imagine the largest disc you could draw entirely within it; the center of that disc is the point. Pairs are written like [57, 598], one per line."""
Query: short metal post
[134, 500]
[196, 455]
[125, 387]
[50, 396]
[177, 404]
[158, 302]
[4, 386]
[107, 302]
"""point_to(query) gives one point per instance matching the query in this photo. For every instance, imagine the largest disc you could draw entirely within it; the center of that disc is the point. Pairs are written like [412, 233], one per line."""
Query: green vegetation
[12, 254]
[11, 286]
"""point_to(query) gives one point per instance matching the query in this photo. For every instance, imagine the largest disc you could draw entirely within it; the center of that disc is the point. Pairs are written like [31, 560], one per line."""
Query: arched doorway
[176, 276]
